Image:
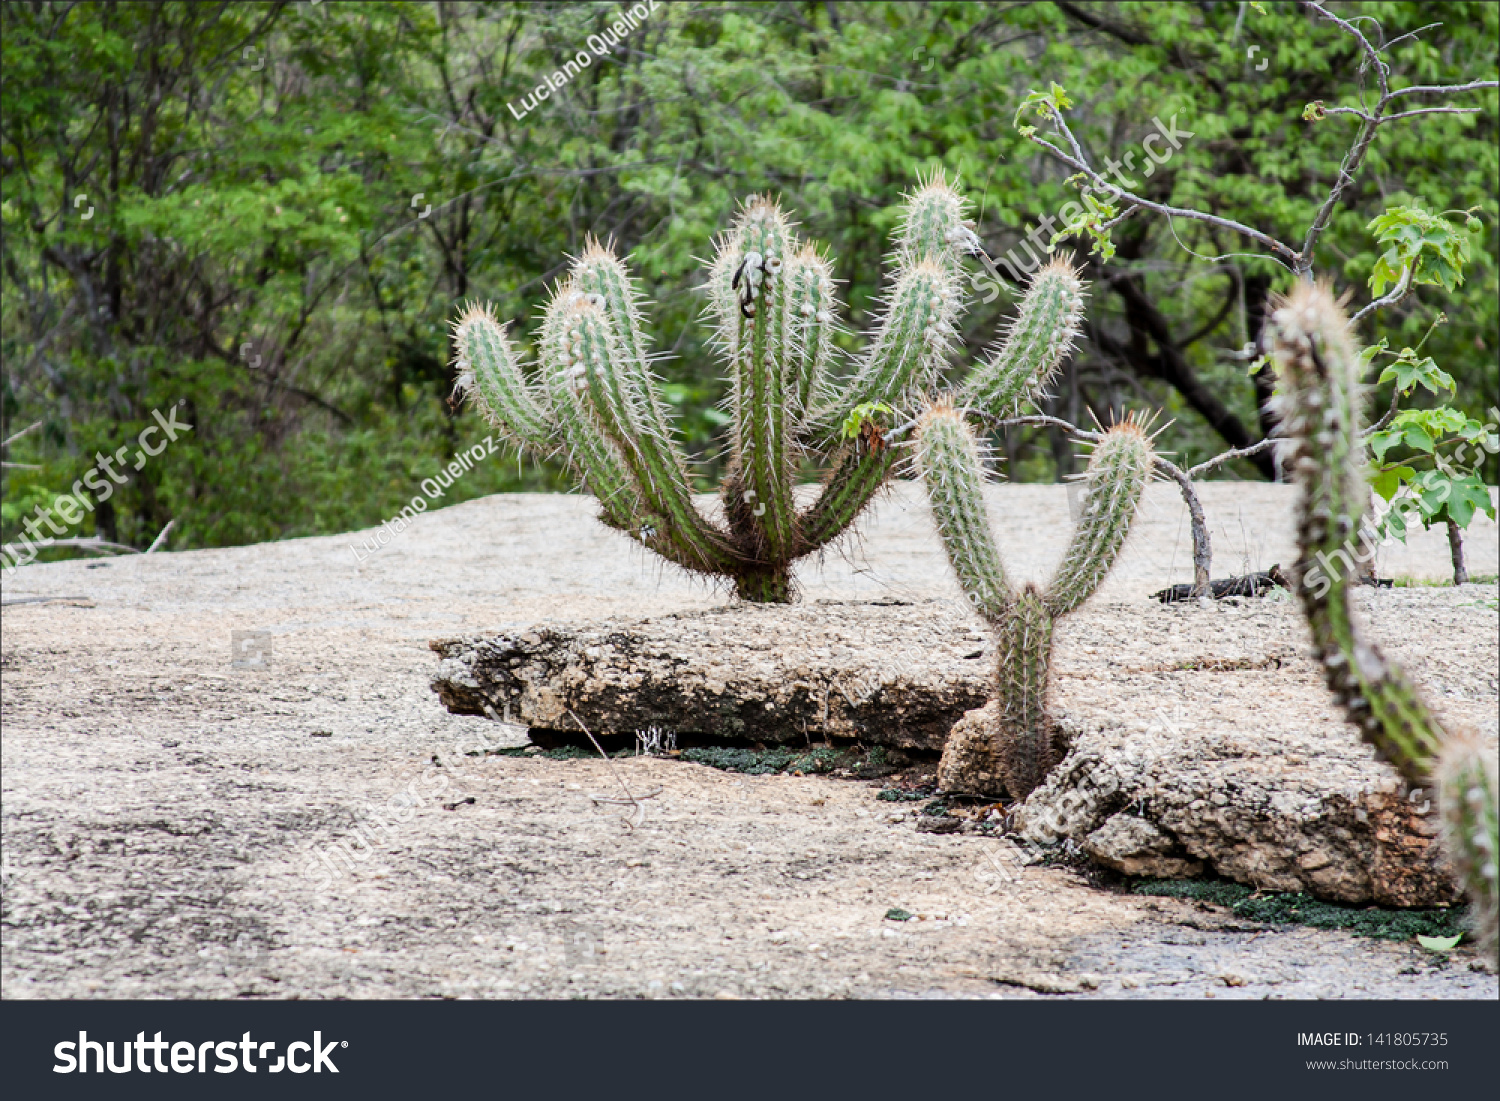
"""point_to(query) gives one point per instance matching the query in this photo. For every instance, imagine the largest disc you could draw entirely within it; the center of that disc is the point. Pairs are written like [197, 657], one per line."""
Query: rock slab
[896, 674]
[1199, 740]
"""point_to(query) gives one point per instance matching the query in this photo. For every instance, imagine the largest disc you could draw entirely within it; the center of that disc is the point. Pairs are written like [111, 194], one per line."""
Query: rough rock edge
[884, 674]
[873, 673]
[1375, 845]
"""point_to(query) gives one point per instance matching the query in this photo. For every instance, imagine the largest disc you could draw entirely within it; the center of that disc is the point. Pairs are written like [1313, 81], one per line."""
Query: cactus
[1320, 405]
[595, 400]
[952, 468]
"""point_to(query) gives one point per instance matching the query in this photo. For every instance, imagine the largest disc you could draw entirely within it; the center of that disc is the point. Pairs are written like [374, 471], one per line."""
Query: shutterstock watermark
[71, 508]
[432, 489]
[598, 45]
[190, 1057]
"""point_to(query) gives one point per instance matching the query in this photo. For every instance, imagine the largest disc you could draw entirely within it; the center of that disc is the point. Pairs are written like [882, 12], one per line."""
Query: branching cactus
[952, 466]
[594, 400]
[1320, 406]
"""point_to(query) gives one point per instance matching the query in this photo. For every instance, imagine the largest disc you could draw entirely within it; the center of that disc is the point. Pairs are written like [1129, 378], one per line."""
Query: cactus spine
[1320, 405]
[594, 399]
[952, 468]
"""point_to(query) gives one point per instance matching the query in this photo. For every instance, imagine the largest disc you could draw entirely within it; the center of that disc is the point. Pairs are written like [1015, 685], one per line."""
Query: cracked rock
[1133, 846]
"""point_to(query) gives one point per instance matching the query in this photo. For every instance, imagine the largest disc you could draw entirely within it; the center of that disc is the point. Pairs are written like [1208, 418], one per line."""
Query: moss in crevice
[818, 760]
[1281, 908]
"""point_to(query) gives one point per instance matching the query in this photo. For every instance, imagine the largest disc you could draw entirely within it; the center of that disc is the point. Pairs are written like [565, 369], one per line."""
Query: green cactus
[952, 468]
[595, 400]
[1320, 405]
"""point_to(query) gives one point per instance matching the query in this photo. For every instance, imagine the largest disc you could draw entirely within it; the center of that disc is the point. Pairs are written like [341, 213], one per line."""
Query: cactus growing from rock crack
[595, 400]
[952, 468]
[1321, 406]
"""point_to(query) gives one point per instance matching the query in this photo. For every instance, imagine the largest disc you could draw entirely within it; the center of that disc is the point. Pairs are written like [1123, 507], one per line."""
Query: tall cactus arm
[1116, 477]
[948, 459]
[1320, 409]
[490, 376]
[934, 225]
[589, 361]
[909, 346]
[1025, 746]
[1320, 406]
[762, 382]
[624, 392]
[810, 304]
[590, 452]
[1467, 799]
[1017, 373]
[860, 468]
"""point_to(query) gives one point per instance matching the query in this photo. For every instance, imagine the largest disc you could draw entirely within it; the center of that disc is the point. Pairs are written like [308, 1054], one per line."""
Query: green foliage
[1283, 908]
[1438, 450]
[1434, 249]
[1041, 104]
[860, 414]
[1091, 222]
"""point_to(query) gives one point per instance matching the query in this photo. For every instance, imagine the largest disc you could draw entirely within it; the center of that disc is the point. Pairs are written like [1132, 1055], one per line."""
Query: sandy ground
[164, 811]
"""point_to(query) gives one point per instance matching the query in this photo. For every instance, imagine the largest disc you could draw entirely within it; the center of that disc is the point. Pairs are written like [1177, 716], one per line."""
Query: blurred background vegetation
[259, 248]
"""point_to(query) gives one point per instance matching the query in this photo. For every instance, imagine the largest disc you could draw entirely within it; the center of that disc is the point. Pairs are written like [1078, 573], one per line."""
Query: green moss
[760, 762]
[752, 762]
[1281, 908]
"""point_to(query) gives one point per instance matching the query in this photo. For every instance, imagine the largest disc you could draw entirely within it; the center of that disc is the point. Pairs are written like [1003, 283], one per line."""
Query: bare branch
[1444, 89]
[1372, 54]
[1402, 289]
[1229, 456]
[1433, 111]
[160, 539]
[1390, 415]
[24, 432]
[1115, 191]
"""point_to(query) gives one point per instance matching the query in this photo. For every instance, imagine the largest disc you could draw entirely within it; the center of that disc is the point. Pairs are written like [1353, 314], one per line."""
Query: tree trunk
[1456, 549]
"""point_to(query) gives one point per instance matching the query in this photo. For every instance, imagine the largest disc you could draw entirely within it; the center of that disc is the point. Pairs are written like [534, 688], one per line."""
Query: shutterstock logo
[189, 1058]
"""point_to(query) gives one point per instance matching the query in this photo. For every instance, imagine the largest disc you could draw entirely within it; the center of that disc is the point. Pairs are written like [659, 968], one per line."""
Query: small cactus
[1320, 405]
[952, 468]
[595, 400]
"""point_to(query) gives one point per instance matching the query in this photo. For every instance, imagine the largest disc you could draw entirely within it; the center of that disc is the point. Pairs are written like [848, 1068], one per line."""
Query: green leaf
[1383, 441]
[1410, 373]
[1388, 480]
[1439, 944]
[1434, 248]
[1042, 104]
[859, 414]
[1465, 497]
[1416, 437]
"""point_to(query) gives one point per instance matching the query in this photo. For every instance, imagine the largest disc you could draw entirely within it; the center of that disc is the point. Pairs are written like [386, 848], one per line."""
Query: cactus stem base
[765, 586]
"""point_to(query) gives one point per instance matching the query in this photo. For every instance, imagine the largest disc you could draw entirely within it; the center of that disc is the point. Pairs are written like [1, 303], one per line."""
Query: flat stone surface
[165, 814]
[893, 673]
